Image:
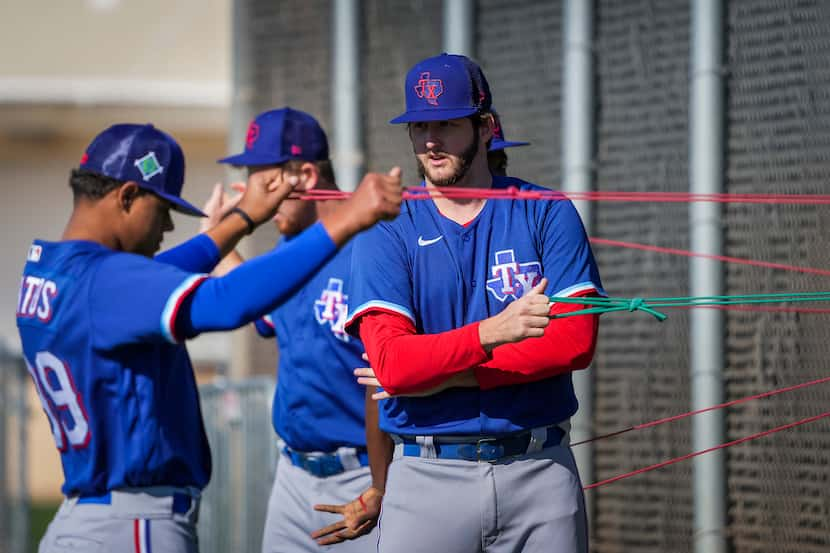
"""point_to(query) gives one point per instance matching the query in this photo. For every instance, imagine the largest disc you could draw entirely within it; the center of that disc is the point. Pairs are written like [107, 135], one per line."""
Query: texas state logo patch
[333, 309]
[512, 279]
[429, 89]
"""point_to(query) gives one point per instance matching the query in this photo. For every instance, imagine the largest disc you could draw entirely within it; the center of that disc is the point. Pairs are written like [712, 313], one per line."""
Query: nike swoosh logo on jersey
[422, 242]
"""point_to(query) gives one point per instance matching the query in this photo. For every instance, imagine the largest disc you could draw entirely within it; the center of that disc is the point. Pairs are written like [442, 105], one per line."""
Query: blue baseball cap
[281, 135]
[142, 154]
[498, 142]
[444, 87]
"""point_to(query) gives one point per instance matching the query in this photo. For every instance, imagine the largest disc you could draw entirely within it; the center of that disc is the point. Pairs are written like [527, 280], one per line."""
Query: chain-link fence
[778, 136]
[244, 447]
[777, 76]
[641, 367]
[778, 129]
[14, 495]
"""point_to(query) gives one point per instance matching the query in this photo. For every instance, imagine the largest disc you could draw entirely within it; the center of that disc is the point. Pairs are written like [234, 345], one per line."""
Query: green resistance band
[650, 305]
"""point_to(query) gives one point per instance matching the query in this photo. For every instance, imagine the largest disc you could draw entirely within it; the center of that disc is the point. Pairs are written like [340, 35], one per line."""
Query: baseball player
[102, 324]
[318, 405]
[362, 513]
[451, 304]
[496, 156]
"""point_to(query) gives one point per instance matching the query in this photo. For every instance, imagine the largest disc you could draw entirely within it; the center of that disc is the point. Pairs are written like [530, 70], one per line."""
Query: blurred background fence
[244, 449]
[14, 496]
[776, 76]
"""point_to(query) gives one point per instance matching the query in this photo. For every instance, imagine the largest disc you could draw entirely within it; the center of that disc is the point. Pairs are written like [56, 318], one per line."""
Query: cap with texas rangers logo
[142, 154]
[498, 142]
[444, 87]
[280, 135]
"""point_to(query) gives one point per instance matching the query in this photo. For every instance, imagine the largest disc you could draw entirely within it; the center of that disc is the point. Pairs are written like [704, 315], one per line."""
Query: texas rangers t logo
[511, 279]
[332, 308]
[429, 89]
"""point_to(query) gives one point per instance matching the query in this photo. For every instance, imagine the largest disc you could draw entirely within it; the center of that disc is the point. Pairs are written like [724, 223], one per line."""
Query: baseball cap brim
[502, 144]
[421, 116]
[253, 158]
[180, 205]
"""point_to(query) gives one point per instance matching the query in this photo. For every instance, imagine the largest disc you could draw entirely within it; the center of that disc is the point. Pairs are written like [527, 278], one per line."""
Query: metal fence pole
[348, 157]
[706, 164]
[459, 31]
[577, 176]
[242, 112]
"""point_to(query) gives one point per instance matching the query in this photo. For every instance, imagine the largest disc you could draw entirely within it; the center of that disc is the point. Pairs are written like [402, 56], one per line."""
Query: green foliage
[40, 515]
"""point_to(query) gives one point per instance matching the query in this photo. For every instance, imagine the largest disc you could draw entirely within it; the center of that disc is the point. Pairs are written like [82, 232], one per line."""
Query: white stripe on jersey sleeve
[171, 308]
[578, 288]
[380, 306]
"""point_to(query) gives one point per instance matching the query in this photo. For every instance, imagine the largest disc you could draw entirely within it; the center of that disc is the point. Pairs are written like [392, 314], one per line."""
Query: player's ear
[126, 195]
[309, 175]
[487, 129]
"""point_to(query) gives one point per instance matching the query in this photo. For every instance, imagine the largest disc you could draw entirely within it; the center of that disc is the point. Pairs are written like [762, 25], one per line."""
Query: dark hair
[478, 119]
[91, 185]
[497, 161]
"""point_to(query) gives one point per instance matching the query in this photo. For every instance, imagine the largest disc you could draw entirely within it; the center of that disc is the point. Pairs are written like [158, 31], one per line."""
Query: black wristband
[245, 217]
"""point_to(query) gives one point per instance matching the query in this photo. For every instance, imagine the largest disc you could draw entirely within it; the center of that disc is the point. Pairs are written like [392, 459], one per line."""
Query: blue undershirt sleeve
[256, 287]
[200, 254]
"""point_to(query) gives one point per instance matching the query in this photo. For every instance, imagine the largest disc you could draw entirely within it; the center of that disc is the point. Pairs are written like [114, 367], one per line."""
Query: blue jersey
[442, 275]
[318, 406]
[119, 391]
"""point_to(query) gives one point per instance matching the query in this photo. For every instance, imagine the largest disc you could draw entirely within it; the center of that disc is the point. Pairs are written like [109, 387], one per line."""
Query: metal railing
[237, 416]
[14, 493]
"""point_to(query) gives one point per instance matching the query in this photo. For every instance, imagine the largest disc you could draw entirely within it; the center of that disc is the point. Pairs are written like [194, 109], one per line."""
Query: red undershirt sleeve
[406, 362]
[567, 345]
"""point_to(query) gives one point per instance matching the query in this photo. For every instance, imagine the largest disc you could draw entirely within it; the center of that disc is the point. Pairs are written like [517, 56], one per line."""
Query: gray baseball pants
[138, 520]
[530, 504]
[291, 517]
